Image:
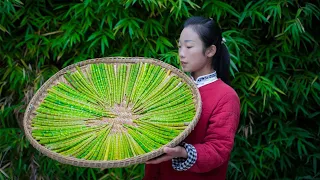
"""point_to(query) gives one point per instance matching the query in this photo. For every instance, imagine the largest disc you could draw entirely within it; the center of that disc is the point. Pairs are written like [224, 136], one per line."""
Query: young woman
[205, 152]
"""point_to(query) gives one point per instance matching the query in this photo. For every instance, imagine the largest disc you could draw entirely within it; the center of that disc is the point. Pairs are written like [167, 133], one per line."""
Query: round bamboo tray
[40, 96]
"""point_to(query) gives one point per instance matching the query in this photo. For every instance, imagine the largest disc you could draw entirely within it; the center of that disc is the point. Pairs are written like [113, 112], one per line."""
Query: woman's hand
[169, 154]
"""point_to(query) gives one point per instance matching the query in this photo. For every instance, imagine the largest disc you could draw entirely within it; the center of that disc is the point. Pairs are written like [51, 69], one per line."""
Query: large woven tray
[33, 109]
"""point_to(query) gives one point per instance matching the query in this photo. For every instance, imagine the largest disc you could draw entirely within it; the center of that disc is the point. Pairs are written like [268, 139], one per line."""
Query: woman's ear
[211, 51]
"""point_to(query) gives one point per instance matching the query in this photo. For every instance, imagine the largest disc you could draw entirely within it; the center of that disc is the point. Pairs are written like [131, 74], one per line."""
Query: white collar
[205, 79]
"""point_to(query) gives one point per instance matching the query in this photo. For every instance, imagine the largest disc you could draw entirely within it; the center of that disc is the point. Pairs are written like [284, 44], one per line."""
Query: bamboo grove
[274, 48]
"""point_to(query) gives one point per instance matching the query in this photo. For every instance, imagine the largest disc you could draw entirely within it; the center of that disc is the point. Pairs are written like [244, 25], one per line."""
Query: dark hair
[211, 34]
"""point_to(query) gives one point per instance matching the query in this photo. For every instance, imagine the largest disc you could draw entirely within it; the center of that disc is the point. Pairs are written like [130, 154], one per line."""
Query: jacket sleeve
[219, 139]
[183, 164]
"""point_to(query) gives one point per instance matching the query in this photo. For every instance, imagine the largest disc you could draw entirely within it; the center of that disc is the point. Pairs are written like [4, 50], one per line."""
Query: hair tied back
[223, 41]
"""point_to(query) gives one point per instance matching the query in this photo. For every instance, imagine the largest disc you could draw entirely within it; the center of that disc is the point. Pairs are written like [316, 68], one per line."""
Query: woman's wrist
[184, 153]
[188, 157]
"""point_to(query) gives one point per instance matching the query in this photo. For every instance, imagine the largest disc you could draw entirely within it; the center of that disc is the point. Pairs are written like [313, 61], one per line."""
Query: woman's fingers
[160, 159]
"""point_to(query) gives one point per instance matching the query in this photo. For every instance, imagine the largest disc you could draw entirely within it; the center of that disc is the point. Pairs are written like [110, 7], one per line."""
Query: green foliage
[275, 54]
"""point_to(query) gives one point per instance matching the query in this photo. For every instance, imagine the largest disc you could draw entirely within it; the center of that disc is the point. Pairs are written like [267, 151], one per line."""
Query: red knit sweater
[213, 137]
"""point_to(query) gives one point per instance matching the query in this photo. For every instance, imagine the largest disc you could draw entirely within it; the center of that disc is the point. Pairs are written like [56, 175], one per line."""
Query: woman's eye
[179, 47]
[189, 47]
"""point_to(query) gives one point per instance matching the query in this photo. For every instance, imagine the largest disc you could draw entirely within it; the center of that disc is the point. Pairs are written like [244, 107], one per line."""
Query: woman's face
[191, 51]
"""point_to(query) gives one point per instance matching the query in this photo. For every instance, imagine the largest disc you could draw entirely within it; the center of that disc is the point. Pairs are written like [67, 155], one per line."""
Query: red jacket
[213, 137]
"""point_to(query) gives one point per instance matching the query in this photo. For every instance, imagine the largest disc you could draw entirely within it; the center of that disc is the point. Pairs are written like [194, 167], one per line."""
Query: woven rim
[41, 93]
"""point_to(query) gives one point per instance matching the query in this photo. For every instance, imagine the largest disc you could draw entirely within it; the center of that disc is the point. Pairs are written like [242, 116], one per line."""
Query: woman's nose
[181, 53]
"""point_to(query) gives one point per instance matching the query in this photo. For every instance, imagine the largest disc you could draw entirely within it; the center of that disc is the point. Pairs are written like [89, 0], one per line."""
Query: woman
[205, 152]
